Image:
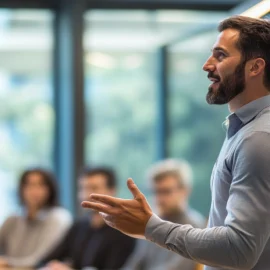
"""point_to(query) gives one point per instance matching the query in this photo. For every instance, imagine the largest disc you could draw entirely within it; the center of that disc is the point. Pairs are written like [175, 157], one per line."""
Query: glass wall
[195, 128]
[121, 92]
[26, 113]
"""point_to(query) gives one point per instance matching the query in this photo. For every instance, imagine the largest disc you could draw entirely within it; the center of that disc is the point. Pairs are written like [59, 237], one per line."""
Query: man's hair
[179, 169]
[49, 181]
[107, 172]
[254, 40]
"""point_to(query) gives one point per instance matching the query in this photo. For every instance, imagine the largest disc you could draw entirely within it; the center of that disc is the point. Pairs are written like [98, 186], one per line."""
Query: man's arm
[239, 244]
[236, 245]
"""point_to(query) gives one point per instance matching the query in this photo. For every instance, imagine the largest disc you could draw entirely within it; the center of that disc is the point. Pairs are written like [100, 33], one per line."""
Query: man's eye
[220, 56]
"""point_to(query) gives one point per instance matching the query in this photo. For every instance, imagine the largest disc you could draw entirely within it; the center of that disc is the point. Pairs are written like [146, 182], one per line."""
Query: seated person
[171, 182]
[29, 236]
[90, 242]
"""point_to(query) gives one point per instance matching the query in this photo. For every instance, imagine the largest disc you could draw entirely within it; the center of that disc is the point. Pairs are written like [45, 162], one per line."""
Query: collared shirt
[24, 242]
[239, 223]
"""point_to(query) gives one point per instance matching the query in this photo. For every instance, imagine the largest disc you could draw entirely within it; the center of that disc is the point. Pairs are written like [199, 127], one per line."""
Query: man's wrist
[154, 230]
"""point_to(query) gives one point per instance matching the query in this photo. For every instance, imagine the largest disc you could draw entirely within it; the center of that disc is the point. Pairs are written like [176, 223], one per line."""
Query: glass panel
[266, 16]
[121, 84]
[195, 128]
[120, 94]
[26, 113]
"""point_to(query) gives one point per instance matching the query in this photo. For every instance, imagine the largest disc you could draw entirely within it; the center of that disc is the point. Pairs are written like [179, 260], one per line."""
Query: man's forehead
[96, 176]
[227, 39]
[166, 179]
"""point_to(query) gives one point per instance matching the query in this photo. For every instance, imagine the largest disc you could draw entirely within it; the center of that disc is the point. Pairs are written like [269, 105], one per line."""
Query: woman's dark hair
[254, 39]
[49, 181]
[107, 172]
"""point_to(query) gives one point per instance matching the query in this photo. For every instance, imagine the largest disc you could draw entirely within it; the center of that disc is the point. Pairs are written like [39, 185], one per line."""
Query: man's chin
[214, 97]
[212, 101]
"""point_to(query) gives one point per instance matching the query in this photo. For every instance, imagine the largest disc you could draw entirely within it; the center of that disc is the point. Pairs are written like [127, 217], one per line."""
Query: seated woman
[26, 238]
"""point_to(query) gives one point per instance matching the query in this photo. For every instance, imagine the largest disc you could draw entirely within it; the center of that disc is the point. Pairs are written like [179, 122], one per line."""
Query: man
[172, 183]
[239, 222]
[90, 242]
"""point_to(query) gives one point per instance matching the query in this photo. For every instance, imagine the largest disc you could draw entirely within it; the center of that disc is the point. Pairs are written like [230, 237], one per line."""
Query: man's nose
[209, 65]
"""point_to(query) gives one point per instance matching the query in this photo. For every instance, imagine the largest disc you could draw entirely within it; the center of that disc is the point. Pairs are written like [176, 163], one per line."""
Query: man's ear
[256, 66]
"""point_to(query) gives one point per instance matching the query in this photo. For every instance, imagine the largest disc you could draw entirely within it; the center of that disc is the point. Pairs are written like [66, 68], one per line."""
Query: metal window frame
[69, 99]
[127, 4]
[162, 4]
[29, 4]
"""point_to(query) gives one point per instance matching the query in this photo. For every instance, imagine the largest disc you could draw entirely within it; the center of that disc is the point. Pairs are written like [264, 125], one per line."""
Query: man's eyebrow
[220, 49]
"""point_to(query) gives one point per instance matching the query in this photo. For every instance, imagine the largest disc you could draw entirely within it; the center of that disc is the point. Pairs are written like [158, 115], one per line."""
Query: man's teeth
[214, 80]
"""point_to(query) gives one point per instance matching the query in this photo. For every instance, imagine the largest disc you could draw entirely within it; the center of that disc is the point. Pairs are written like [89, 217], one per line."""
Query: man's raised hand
[128, 216]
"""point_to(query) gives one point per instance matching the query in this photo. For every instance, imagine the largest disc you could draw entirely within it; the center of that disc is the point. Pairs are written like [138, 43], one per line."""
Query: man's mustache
[212, 75]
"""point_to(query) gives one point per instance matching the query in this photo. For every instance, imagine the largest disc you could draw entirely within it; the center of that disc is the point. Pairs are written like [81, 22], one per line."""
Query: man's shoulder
[261, 123]
[257, 129]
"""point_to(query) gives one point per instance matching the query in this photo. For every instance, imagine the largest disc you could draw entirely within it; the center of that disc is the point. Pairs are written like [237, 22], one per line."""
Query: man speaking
[238, 232]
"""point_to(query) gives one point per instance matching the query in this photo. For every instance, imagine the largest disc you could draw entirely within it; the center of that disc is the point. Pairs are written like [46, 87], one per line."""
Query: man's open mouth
[214, 81]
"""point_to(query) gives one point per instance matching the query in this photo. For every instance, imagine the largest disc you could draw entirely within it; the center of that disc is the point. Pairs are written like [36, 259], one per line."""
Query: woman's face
[35, 192]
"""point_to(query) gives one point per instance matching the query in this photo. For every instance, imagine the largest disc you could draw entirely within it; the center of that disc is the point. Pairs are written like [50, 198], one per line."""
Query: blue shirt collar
[249, 111]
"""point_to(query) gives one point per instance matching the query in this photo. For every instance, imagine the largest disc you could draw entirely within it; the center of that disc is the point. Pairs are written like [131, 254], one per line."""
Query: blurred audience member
[28, 237]
[171, 181]
[90, 243]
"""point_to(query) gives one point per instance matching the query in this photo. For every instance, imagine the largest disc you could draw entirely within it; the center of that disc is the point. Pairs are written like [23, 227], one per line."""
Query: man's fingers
[105, 199]
[133, 188]
[98, 207]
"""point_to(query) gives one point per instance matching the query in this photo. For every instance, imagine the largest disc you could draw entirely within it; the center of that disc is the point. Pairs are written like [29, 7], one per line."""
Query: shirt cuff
[156, 230]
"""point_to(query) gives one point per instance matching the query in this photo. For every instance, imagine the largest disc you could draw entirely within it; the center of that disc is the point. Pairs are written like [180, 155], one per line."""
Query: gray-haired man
[171, 183]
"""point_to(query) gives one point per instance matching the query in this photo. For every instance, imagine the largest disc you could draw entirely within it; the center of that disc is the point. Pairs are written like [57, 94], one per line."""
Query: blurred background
[111, 82]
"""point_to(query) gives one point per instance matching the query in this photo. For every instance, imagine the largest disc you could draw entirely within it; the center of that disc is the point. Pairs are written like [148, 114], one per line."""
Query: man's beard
[232, 85]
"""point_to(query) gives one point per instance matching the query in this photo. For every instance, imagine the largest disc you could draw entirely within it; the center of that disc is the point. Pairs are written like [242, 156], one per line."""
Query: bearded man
[238, 232]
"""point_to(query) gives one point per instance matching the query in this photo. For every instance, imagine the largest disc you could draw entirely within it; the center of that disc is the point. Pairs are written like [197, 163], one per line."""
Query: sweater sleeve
[239, 243]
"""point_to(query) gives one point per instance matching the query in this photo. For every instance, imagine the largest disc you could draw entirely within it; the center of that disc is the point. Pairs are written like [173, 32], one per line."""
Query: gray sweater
[24, 242]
